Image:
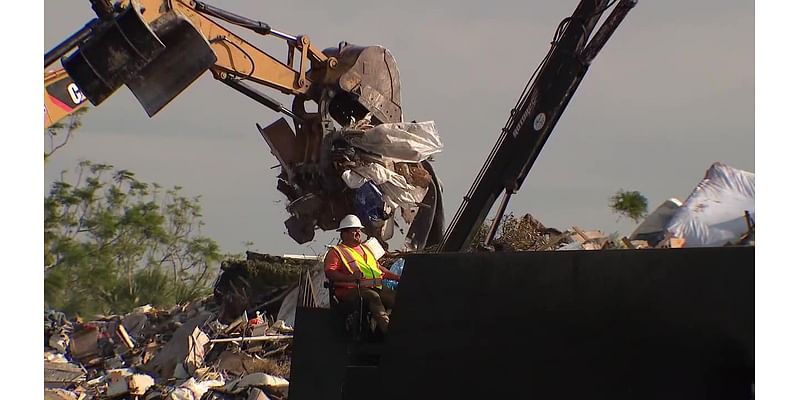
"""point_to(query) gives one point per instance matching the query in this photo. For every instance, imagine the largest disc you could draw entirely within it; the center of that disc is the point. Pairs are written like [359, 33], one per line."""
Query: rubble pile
[188, 352]
[528, 234]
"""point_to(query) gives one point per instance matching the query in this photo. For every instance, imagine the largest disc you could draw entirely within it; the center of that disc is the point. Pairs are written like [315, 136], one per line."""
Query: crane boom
[534, 117]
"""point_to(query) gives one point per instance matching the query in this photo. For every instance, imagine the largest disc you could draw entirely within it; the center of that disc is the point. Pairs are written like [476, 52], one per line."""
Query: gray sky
[671, 93]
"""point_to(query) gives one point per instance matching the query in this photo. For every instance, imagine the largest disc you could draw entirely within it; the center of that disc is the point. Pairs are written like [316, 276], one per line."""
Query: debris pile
[368, 170]
[720, 211]
[189, 352]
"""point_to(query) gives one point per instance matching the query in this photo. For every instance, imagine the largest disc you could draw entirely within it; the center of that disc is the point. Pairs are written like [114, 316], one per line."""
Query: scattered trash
[124, 382]
[185, 352]
[236, 344]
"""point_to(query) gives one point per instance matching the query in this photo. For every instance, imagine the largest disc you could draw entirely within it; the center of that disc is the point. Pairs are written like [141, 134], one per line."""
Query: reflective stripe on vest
[361, 282]
[368, 267]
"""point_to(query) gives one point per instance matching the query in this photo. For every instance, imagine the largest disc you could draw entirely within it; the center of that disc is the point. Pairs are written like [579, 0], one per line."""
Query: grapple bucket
[187, 55]
[366, 78]
[118, 50]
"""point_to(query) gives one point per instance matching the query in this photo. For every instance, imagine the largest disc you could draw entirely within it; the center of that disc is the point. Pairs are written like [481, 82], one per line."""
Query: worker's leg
[387, 297]
[375, 304]
[374, 300]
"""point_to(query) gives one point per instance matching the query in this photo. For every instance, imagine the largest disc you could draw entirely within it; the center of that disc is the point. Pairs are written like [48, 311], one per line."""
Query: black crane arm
[534, 117]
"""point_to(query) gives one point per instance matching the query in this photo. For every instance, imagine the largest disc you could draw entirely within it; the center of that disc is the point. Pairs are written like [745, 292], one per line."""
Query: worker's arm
[332, 272]
[389, 274]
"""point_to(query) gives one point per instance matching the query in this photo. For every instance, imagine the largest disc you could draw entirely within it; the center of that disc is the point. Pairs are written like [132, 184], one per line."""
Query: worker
[356, 273]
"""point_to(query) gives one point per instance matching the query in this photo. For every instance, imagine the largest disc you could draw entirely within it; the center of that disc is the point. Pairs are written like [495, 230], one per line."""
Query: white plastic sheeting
[397, 192]
[713, 214]
[657, 220]
[402, 141]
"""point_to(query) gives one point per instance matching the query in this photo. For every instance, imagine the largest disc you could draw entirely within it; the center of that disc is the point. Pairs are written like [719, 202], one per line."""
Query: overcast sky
[671, 93]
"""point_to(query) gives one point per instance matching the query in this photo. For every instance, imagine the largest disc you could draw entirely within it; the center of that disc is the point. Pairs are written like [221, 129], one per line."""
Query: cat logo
[75, 93]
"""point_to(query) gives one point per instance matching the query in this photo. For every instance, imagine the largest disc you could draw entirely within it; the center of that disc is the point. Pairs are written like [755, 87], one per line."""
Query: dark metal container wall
[621, 324]
[671, 324]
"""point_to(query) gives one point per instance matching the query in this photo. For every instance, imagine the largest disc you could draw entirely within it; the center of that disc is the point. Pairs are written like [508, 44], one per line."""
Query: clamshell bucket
[116, 52]
[187, 55]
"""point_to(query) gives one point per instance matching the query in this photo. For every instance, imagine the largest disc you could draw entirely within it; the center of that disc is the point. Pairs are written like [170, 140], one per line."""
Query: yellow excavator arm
[158, 48]
[236, 56]
[62, 97]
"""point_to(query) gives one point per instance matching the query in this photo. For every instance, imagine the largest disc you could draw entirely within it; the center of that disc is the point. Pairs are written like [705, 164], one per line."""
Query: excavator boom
[62, 97]
[158, 48]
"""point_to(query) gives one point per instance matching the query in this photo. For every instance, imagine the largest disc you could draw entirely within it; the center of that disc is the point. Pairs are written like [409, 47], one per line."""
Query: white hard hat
[349, 221]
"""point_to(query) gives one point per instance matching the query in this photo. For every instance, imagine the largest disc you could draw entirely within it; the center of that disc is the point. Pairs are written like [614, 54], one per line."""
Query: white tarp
[402, 141]
[713, 214]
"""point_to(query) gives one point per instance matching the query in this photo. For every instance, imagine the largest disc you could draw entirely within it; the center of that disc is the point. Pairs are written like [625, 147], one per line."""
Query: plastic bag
[368, 202]
[397, 269]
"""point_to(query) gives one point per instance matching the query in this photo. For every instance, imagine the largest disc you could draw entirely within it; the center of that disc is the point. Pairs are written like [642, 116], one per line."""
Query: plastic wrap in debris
[401, 142]
[714, 213]
[395, 158]
[387, 167]
[395, 189]
[653, 228]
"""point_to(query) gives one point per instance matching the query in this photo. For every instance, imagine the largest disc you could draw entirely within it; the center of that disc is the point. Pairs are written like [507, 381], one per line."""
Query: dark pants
[377, 300]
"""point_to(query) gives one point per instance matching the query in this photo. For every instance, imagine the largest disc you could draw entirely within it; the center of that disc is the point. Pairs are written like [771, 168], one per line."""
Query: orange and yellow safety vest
[367, 265]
